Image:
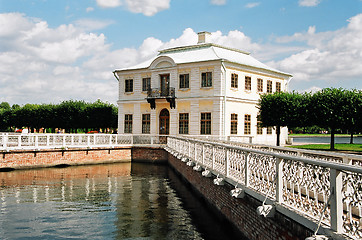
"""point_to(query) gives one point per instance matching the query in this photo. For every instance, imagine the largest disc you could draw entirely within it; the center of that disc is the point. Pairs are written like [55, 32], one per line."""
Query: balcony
[161, 93]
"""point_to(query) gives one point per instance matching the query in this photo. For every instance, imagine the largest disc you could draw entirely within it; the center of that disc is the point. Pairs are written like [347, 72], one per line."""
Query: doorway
[164, 128]
[165, 84]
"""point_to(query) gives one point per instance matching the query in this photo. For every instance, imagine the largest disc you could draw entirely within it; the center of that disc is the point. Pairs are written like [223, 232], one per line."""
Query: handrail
[304, 180]
[9, 141]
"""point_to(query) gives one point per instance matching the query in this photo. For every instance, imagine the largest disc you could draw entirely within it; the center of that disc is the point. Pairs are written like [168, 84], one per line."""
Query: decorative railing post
[279, 180]
[63, 140]
[48, 140]
[226, 162]
[213, 157]
[5, 140]
[36, 141]
[203, 153]
[336, 200]
[246, 169]
[88, 140]
[19, 141]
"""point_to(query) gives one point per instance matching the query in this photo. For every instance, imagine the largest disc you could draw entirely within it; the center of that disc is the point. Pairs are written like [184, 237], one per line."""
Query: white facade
[210, 92]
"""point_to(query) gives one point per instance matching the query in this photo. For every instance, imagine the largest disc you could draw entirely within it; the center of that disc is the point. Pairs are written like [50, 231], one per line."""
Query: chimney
[204, 37]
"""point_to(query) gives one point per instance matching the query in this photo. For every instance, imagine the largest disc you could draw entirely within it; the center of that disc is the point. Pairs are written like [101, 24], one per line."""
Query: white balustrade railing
[305, 184]
[40, 141]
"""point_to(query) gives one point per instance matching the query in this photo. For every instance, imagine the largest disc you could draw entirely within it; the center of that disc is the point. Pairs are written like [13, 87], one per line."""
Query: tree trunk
[278, 135]
[332, 139]
[351, 140]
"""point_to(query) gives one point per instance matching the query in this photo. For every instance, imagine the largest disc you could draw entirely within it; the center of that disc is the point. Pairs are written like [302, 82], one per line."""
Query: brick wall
[241, 212]
[48, 158]
[149, 154]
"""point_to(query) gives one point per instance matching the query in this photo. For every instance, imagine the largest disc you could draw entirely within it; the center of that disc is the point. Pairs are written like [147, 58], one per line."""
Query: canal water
[111, 201]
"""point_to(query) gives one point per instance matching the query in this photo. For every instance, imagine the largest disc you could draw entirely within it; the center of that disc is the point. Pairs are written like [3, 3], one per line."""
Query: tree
[282, 109]
[328, 109]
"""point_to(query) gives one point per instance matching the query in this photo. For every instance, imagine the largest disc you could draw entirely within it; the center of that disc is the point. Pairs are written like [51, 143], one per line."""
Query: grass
[352, 148]
[321, 135]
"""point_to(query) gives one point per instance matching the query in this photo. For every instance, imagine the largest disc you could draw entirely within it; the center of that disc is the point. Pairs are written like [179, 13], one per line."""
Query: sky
[57, 50]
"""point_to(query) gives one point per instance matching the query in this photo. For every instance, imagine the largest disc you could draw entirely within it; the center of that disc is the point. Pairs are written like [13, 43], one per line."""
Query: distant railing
[39, 141]
[310, 187]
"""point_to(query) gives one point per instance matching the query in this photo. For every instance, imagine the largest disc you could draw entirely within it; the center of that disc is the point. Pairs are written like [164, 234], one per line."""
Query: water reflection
[115, 201]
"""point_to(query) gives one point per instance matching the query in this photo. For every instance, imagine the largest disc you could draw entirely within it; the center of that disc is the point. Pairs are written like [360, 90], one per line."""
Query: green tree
[328, 110]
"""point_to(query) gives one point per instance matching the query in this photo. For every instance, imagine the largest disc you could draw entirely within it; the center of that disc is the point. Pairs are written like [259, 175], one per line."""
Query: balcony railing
[161, 92]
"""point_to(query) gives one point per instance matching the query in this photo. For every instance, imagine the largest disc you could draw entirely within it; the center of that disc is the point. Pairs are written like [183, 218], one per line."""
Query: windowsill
[184, 89]
[247, 91]
[129, 93]
[234, 89]
[207, 88]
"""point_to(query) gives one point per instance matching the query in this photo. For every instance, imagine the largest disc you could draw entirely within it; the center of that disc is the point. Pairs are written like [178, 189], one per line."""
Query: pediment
[162, 62]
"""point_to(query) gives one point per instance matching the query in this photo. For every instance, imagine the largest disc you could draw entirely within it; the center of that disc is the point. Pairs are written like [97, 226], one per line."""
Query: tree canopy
[330, 108]
[69, 115]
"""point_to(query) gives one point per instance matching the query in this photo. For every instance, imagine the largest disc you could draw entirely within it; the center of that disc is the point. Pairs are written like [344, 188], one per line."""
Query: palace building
[203, 89]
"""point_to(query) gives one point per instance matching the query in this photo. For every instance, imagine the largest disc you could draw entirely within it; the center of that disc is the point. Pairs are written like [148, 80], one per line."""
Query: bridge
[321, 191]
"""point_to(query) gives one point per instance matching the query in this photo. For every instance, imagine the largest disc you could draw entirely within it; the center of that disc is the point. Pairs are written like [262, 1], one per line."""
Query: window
[146, 123]
[247, 124]
[269, 86]
[259, 129]
[269, 130]
[206, 79]
[278, 87]
[234, 80]
[260, 85]
[205, 123]
[184, 80]
[146, 84]
[128, 123]
[234, 124]
[248, 83]
[128, 85]
[183, 123]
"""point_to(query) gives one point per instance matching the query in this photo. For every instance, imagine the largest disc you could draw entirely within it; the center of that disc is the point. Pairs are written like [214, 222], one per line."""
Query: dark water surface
[113, 201]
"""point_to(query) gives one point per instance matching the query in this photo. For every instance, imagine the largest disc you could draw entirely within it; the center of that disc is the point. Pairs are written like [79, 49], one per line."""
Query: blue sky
[52, 50]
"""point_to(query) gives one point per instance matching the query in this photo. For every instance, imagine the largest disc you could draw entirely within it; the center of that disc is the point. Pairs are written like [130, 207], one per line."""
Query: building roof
[207, 52]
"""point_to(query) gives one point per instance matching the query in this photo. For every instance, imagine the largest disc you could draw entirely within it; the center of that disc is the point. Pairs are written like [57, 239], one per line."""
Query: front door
[164, 122]
[165, 80]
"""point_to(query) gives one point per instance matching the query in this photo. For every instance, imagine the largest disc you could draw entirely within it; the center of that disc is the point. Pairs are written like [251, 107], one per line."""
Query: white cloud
[309, 3]
[89, 9]
[146, 7]
[218, 2]
[109, 3]
[252, 4]
[334, 56]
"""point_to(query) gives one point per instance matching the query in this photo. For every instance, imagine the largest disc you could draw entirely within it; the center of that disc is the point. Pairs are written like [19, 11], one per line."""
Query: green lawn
[320, 135]
[357, 148]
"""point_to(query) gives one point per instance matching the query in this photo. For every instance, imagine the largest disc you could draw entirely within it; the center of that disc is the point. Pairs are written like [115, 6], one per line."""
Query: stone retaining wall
[22, 159]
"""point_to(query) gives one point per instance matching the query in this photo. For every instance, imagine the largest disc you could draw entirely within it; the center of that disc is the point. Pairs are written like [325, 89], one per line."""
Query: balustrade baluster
[336, 200]
[279, 180]
[247, 170]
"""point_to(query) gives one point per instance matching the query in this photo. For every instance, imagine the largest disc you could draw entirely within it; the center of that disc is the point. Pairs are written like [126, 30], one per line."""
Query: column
[153, 122]
[120, 118]
[173, 122]
[194, 120]
[137, 119]
[217, 118]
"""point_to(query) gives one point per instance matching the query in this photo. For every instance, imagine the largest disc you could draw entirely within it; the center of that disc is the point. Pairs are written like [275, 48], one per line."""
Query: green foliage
[70, 115]
[330, 108]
